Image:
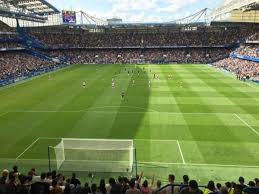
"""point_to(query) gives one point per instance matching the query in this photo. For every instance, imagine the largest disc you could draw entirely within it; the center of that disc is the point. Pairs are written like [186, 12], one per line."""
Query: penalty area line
[180, 150]
[27, 148]
[250, 127]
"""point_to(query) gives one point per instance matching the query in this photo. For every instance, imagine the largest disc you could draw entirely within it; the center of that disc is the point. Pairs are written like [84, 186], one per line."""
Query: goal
[94, 155]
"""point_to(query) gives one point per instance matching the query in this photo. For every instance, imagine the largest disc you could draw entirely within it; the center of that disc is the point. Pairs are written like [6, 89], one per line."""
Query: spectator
[32, 172]
[229, 188]
[15, 170]
[224, 190]
[23, 187]
[48, 178]
[192, 188]
[157, 189]
[11, 186]
[238, 189]
[40, 186]
[251, 184]
[102, 187]
[210, 189]
[68, 190]
[74, 181]
[173, 189]
[185, 182]
[241, 181]
[115, 188]
[94, 189]
[145, 189]
[138, 180]
[86, 189]
[125, 185]
[4, 178]
[132, 188]
[218, 186]
[55, 188]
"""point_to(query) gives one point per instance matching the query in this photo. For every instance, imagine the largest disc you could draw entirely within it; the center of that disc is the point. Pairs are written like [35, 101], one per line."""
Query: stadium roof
[38, 6]
[35, 6]
[230, 5]
[27, 9]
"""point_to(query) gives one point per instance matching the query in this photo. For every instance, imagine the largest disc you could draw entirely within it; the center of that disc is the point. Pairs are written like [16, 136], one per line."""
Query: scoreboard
[69, 17]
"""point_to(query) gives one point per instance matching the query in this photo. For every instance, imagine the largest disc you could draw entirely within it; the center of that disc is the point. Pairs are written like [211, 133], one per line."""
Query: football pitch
[201, 121]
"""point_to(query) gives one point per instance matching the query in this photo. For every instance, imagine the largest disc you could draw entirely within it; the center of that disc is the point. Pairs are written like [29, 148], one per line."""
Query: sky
[137, 10]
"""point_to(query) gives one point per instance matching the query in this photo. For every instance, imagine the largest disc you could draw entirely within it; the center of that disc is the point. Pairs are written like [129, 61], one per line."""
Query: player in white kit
[113, 83]
[84, 84]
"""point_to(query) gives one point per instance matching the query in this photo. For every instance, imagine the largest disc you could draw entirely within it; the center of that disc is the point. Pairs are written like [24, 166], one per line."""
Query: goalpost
[94, 155]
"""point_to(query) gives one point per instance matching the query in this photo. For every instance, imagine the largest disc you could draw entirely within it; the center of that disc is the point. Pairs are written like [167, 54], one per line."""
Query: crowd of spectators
[242, 68]
[138, 39]
[14, 182]
[8, 38]
[252, 51]
[16, 64]
[199, 55]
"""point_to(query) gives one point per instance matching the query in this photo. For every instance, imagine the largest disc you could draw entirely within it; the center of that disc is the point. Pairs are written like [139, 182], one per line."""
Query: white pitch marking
[50, 138]
[88, 111]
[256, 132]
[27, 148]
[158, 140]
[121, 112]
[197, 164]
[180, 150]
[161, 163]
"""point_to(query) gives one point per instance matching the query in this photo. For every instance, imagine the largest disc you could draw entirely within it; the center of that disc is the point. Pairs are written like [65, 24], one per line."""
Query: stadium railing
[249, 190]
[172, 187]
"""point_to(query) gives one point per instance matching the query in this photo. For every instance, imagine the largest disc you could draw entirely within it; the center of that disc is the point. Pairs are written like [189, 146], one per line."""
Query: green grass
[210, 119]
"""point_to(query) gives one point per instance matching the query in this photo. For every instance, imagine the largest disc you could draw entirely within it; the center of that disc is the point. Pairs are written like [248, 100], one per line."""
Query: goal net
[94, 155]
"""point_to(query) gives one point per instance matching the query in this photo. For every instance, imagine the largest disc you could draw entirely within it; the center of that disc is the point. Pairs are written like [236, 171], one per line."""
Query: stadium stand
[174, 37]
[16, 64]
[251, 51]
[242, 68]
[155, 56]
[244, 61]
[142, 49]
[59, 46]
